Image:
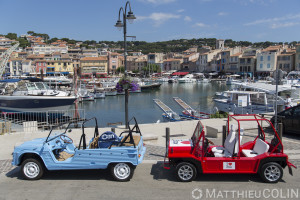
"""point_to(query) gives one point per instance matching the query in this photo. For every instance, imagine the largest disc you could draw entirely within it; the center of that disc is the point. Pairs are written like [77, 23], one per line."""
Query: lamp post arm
[127, 4]
[121, 9]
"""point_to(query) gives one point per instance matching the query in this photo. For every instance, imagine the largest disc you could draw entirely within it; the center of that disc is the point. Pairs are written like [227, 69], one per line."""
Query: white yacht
[57, 80]
[244, 102]
[189, 78]
[24, 96]
[231, 79]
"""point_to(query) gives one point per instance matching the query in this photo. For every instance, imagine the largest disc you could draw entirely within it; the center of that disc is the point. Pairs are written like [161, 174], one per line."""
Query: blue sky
[157, 20]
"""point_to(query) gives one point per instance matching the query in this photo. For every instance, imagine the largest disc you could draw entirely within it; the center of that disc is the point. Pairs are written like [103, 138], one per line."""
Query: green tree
[30, 32]
[23, 42]
[120, 69]
[12, 36]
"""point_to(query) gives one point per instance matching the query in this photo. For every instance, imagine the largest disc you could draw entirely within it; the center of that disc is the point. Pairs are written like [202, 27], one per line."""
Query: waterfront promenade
[154, 137]
[150, 181]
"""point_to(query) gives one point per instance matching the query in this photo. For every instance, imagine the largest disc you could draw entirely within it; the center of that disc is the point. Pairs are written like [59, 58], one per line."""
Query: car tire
[121, 171]
[186, 172]
[271, 172]
[32, 169]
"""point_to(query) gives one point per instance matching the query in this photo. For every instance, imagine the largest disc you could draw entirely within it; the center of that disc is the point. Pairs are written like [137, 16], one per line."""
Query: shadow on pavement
[97, 174]
[159, 173]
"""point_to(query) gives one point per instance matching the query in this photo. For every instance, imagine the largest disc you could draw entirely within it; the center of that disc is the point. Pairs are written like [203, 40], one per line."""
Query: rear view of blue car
[121, 154]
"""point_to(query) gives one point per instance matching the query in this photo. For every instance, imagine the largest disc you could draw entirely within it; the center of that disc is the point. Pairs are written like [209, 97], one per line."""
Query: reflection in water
[141, 105]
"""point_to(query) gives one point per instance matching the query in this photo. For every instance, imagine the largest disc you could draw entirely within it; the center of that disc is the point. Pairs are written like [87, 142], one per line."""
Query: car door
[296, 120]
[288, 120]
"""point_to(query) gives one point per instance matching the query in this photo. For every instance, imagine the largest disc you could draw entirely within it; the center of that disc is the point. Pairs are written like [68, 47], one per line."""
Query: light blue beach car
[121, 154]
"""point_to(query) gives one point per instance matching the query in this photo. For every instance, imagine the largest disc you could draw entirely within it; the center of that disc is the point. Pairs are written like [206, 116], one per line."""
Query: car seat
[259, 148]
[229, 145]
[107, 139]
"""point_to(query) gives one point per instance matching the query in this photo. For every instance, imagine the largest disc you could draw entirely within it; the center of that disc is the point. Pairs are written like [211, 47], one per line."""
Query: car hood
[34, 144]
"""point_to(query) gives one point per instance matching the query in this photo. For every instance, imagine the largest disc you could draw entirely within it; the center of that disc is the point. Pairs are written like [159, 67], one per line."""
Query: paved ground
[150, 181]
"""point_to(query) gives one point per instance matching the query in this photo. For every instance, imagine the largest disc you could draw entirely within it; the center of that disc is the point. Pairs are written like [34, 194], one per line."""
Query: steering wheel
[209, 141]
[66, 139]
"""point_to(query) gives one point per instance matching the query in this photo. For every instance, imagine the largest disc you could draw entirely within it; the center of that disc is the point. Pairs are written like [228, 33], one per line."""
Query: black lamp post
[122, 24]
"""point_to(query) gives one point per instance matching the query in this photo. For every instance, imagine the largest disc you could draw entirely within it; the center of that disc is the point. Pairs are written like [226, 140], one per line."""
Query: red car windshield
[197, 133]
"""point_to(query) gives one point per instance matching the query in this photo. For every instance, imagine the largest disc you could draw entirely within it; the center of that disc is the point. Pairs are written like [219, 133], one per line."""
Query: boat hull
[222, 105]
[34, 103]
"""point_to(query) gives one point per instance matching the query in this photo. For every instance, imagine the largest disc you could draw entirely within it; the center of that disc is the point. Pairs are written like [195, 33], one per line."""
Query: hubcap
[31, 170]
[272, 173]
[185, 172]
[122, 171]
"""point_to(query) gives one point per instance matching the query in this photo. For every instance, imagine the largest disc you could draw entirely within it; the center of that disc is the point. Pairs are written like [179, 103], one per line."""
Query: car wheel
[186, 172]
[122, 172]
[32, 169]
[271, 172]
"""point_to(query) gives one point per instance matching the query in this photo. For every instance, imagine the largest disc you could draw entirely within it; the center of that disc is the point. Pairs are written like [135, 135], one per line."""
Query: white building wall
[266, 61]
[297, 59]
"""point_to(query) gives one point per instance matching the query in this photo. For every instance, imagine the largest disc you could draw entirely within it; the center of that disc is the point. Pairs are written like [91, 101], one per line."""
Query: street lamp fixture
[130, 17]
[122, 24]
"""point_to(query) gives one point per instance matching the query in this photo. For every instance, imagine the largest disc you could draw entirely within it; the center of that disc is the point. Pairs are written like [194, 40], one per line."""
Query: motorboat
[173, 79]
[203, 80]
[163, 79]
[110, 91]
[85, 95]
[189, 78]
[24, 96]
[231, 79]
[60, 80]
[99, 95]
[37, 89]
[244, 102]
[149, 85]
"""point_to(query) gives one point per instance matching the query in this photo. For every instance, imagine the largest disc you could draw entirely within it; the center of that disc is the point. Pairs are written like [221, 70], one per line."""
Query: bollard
[224, 135]
[280, 130]
[167, 136]
[113, 130]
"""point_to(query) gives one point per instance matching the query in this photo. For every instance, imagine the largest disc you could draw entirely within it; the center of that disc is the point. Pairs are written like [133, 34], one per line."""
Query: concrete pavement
[150, 181]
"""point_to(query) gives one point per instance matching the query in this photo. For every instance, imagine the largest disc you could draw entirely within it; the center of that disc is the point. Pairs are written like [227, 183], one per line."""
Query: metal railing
[35, 121]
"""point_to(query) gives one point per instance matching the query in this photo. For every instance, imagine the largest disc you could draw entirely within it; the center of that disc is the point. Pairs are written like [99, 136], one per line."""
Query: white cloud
[282, 25]
[259, 2]
[222, 13]
[187, 18]
[278, 22]
[180, 11]
[191, 36]
[159, 18]
[199, 24]
[157, 2]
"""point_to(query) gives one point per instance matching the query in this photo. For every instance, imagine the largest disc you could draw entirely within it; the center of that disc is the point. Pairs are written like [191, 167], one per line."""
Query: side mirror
[70, 130]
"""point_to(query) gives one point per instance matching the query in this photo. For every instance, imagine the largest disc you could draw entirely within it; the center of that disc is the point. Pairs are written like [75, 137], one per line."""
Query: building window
[261, 58]
[269, 58]
[261, 66]
[268, 65]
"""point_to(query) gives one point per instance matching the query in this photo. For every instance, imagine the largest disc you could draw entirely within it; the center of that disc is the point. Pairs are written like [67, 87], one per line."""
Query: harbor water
[141, 105]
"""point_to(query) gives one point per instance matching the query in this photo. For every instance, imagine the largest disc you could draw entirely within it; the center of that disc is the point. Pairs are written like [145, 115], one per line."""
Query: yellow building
[94, 65]
[60, 66]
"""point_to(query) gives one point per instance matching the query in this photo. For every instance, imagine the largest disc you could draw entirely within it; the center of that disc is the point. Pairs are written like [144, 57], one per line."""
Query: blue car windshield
[51, 136]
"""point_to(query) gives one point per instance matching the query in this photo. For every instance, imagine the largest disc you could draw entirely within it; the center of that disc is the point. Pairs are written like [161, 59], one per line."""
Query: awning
[50, 72]
[179, 73]
[64, 73]
[101, 73]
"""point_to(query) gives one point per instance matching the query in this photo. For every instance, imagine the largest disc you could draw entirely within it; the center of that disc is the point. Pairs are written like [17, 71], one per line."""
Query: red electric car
[262, 154]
